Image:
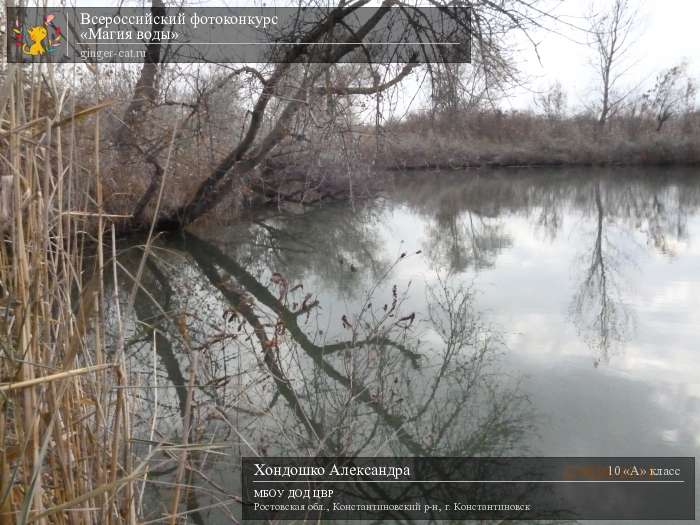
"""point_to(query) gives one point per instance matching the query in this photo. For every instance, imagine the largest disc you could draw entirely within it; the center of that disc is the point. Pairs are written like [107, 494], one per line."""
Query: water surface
[544, 313]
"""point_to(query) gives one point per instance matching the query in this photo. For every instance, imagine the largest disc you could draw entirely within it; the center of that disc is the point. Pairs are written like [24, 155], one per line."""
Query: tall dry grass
[482, 138]
[64, 427]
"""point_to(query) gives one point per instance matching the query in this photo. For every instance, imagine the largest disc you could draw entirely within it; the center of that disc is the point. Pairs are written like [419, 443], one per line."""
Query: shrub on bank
[496, 138]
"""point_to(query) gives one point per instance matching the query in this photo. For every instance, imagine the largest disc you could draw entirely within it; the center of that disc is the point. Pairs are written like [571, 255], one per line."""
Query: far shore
[522, 139]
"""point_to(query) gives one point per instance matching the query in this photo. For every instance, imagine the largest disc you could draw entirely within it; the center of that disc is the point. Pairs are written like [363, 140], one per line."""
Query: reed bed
[64, 420]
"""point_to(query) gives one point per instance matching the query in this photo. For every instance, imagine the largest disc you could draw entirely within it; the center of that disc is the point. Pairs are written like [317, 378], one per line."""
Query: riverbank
[476, 140]
[519, 139]
[350, 161]
[465, 140]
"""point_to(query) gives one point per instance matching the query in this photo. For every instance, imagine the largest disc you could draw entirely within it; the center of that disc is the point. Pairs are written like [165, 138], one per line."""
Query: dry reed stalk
[55, 380]
[53, 377]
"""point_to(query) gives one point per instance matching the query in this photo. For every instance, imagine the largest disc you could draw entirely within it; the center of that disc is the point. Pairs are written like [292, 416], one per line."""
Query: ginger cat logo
[38, 40]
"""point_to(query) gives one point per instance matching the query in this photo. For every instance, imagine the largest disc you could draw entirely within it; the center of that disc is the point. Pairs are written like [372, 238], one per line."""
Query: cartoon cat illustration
[37, 34]
[44, 39]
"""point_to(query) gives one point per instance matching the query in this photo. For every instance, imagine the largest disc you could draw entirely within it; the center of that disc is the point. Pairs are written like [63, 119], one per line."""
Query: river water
[547, 313]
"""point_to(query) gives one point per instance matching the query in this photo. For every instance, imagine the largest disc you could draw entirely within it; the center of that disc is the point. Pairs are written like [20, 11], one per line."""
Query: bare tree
[673, 93]
[259, 140]
[448, 87]
[287, 97]
[145, 92]
[611, 39]
[552, 103]
[494, 67]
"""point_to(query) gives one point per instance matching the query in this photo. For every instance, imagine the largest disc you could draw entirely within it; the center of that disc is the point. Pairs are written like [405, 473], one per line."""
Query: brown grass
[64, 424]
[494, 138]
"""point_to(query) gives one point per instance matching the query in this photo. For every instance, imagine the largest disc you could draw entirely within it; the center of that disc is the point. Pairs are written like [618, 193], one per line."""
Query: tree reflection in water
[656, 210]
[272, 381]
[652, 206]
[599, 312]
[281, 373]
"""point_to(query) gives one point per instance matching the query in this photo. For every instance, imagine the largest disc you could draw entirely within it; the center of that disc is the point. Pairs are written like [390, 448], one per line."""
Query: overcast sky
[667, 32]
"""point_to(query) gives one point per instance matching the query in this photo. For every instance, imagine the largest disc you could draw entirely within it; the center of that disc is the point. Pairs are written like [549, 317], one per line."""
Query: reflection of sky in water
[526, 246]
[527, 294]
[645, 399]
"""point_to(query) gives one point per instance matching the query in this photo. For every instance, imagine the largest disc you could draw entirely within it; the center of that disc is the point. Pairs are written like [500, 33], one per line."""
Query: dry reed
[64, 428]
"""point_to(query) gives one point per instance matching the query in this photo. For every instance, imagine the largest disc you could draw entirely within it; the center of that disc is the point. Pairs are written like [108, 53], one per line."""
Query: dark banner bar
[468, 488]
[238, 34]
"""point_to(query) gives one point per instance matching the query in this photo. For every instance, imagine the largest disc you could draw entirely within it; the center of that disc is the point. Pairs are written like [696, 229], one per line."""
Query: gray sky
[667, 33]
